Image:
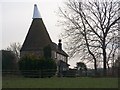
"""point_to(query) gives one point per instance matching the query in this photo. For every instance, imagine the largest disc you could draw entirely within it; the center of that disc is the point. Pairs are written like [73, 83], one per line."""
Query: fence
[51, 73]
[29, 73]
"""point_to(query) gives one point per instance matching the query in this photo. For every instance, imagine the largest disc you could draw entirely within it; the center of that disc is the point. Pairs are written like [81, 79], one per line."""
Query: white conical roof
[36, 13]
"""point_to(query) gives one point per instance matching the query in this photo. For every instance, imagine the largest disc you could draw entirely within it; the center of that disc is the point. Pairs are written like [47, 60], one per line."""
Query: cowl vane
[36, 13]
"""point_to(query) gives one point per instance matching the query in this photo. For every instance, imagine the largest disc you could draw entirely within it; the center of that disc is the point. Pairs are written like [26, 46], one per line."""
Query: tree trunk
[104, 58]
[95, 65]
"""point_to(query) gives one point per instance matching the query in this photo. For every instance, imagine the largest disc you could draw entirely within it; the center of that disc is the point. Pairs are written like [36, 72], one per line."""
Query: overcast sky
[16, 18]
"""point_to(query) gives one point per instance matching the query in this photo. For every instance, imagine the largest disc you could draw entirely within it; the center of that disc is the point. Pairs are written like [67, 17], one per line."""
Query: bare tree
[89, 27]
[15, 48]
[112, 52]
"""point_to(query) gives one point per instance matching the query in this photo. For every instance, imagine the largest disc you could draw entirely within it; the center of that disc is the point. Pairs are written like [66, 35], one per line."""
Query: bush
[48, 67]
[9, 63]
[37, 67]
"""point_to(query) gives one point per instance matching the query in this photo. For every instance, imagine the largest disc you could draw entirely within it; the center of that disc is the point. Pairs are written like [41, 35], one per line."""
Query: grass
[55, 82]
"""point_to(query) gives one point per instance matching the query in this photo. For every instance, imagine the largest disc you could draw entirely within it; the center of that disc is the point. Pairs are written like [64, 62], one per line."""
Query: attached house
[37, 38]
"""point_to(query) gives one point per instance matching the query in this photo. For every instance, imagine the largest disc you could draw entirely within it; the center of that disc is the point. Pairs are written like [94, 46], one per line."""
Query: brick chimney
[60, 45]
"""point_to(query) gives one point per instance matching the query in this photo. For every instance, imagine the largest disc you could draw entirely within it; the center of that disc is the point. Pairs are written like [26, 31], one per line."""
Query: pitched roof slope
[54, 47]
[37, 37]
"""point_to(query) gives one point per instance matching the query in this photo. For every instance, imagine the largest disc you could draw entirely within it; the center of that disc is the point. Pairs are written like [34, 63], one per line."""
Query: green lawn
[64, 82]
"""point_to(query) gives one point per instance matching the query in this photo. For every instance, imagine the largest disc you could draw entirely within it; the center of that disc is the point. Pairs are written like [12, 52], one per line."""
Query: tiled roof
[55, 47]
[37, 37]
